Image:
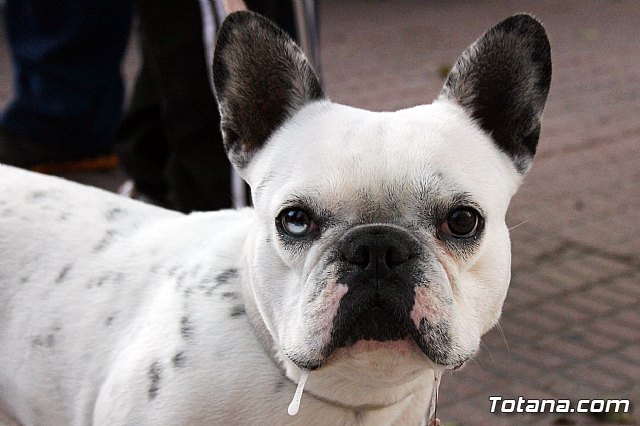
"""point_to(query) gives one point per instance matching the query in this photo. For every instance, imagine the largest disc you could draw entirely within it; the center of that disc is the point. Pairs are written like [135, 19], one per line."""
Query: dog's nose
[378, 248]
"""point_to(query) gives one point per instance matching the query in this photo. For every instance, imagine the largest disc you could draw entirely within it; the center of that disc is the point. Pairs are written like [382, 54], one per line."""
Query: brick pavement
[571, 322]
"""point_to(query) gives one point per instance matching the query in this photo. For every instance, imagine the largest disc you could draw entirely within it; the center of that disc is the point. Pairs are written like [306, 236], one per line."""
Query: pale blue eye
[296, 223]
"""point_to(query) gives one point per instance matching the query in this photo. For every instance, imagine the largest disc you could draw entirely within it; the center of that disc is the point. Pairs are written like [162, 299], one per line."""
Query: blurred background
[571, 322]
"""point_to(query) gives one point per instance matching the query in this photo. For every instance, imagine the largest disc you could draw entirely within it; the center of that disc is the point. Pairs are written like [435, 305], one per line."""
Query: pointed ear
[261, 78]
[502, 80]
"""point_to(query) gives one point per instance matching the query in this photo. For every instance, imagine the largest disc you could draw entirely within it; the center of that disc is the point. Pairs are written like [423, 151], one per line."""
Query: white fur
[94, 288]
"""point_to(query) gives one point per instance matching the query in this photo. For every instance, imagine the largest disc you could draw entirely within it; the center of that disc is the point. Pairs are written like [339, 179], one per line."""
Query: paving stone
[592, 374]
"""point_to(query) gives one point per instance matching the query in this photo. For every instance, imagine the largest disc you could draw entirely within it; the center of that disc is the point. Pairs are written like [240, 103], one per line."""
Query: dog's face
[380, 233]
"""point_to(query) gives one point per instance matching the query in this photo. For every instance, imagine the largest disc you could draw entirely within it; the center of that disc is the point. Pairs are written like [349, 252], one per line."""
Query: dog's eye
[461, 223]
[297, 223]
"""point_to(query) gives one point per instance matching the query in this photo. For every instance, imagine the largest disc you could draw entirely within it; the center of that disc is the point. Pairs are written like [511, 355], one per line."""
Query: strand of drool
[433, 409]
[295, 404]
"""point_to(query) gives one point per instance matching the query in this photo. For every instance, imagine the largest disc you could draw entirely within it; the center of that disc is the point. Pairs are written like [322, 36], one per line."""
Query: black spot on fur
[227, 275]
[238, 311]
[207, 285]
[178, 360]
[37, 195]
[154, 374]
[113, 214]
[186, 329]
[109, 320]
[106, 240]
[63, 274]
[107, 278]
[230, 295]
[8, 212]
[47, 341]
[180, 279]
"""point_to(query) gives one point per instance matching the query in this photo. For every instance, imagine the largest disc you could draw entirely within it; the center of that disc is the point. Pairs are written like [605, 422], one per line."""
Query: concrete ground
[571, 322]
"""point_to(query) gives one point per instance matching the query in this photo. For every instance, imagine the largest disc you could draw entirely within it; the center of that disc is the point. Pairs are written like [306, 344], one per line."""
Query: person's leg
[68, 88]
[140, 141]
[280, 12]
[196, 169]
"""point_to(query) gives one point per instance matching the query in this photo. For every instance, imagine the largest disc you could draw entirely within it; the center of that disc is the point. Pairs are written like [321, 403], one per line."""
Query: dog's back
[83, 274]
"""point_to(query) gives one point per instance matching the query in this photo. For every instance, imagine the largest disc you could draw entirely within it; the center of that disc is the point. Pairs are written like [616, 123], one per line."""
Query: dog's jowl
[376, 254]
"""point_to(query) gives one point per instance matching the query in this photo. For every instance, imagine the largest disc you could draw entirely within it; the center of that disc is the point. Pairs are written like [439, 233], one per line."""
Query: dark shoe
[27, 154]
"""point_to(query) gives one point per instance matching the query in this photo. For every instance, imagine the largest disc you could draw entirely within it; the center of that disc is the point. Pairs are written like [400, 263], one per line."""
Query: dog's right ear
[261, 78]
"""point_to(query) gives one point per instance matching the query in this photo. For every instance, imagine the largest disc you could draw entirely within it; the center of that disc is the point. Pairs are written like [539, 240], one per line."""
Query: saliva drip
[295, 404]
[433, 407]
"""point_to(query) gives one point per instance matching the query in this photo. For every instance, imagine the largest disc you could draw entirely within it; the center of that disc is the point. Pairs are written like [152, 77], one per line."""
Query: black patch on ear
[261, 78]
[502, 80]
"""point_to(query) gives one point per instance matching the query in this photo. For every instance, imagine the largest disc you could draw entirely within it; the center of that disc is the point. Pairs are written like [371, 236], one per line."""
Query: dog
[376, 254]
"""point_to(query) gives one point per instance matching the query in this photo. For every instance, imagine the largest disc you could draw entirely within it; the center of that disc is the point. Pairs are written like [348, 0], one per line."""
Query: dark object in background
[68, 89]
[169, 141]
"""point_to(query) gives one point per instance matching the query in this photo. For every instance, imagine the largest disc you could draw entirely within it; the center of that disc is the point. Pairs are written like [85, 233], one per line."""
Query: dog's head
[380, 237]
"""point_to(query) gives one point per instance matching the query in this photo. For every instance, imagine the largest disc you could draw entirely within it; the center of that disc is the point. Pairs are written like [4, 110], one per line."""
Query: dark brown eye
[297, 223]
[461, 223]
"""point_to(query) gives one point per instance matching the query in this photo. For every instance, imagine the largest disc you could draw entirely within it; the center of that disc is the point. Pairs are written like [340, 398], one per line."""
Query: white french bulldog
[376, 255]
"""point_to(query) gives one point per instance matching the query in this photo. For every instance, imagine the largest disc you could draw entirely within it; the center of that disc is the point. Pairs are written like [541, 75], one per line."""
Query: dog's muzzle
[379, 265]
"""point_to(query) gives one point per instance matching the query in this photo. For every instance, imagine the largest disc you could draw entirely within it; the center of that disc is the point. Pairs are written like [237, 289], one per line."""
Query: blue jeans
[66, 61]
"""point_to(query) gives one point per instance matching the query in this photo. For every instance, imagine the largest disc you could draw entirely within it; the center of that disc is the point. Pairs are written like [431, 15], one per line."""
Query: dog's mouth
[375, 323]
[372, 321]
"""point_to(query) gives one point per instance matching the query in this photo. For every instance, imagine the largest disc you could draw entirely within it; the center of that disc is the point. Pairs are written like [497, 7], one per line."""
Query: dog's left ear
[502, 80]
[261, 78]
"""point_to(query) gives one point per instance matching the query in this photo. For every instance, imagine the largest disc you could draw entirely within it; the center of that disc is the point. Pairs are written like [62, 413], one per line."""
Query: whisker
[520, 224]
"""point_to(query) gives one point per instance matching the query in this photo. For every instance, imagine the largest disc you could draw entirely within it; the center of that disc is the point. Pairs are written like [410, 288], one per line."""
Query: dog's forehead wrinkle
[383, 199]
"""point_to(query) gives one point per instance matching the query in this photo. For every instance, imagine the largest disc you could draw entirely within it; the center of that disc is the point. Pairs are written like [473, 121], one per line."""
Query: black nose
[379, 248]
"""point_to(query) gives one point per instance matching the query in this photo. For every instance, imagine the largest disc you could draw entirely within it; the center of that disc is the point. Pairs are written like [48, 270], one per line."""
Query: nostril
[395, 256]
[359, 256]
